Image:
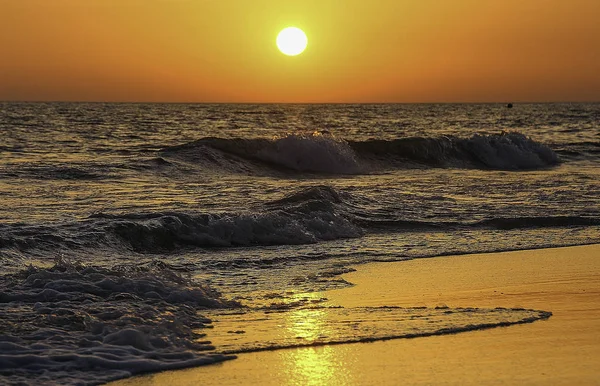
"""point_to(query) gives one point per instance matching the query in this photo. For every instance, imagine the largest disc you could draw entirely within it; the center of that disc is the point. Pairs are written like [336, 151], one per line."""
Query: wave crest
[318, 153]
[305, 216]
[312, 153]
[505, 151]
[308, 216]
[510, 151]
[166, 232]
[302, 153]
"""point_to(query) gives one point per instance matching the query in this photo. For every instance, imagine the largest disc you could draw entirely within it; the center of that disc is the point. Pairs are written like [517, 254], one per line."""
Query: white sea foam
[510, 151]
[72, 324]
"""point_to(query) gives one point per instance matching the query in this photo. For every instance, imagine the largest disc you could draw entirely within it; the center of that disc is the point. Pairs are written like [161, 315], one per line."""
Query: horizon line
[302, 103]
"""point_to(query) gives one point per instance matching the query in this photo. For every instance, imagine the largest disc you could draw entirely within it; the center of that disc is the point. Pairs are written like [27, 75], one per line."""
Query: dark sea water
[118, 222]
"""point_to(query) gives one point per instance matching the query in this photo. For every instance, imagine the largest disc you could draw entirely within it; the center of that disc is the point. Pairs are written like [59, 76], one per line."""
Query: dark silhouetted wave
[310, 215]
[506, 151]
[325, 154]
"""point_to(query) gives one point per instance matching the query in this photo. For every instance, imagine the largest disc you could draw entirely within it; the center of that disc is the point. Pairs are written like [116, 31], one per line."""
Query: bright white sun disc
[292, 41]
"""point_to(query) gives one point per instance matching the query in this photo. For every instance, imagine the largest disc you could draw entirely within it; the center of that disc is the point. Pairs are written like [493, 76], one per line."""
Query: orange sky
[359, 50]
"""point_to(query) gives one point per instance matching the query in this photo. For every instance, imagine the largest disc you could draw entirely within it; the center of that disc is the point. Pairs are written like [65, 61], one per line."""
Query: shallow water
[318, 326]
[264, 203]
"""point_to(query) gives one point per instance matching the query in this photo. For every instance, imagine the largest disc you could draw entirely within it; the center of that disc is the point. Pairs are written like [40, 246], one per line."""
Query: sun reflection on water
[311, 365]
[307, 324]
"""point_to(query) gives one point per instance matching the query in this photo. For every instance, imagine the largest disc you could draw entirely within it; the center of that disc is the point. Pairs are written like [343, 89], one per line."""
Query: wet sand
[563, 350]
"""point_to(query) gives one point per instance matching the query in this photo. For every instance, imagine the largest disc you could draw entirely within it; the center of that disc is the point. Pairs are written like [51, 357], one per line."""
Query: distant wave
[310, 215]
[302, 153]
[579, 150]
[57, 172]
[505, 151]
[325, 154]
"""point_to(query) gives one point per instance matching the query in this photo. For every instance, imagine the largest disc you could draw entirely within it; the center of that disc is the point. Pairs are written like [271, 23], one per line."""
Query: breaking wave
[309, 215]
[303, 218]
[309, 223]
[301, 153]
[505, 151]
[325, 154]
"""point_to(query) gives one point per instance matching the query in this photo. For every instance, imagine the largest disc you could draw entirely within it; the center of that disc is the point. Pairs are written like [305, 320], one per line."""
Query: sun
[292, 41]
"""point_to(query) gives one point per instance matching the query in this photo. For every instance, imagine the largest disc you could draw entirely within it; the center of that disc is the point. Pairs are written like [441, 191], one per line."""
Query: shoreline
[564, 349]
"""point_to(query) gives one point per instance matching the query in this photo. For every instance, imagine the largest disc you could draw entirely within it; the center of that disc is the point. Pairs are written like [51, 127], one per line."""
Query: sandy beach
[564, 349]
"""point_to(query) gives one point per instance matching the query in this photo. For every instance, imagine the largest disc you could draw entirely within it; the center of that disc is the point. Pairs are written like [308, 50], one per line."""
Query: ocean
[128, 232]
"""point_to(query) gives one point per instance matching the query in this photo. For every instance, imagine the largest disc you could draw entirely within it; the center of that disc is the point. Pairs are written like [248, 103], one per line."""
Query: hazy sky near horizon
[358, 50]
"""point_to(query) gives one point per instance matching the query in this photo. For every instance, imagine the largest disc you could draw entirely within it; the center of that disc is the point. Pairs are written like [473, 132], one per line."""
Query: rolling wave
[325, 154]
[314, 153]
[311, 215]
[505, 151]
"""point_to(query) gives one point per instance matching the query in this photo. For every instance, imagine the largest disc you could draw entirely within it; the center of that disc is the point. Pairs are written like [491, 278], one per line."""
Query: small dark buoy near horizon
[509, 106]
